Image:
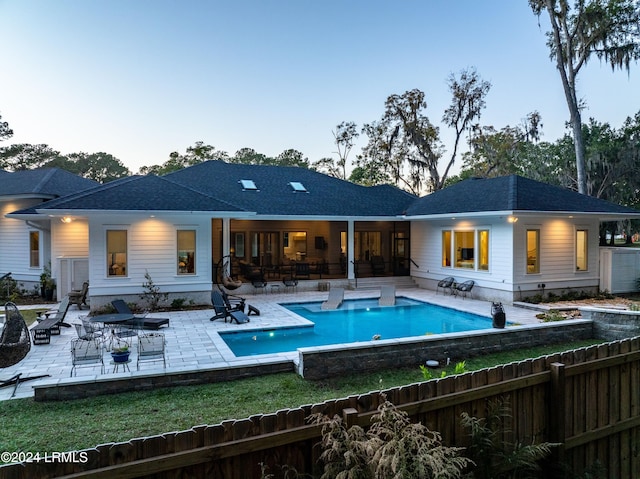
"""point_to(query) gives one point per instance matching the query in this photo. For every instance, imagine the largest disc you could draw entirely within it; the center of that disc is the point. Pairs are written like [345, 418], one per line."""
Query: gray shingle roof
[139, 193]
[214, 186]
[325, 196]
[43, 182]
[510, 193]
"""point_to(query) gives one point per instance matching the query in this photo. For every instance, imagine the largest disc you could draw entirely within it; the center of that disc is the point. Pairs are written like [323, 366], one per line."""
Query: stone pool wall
[612, 324]
[336, 360]
[72, 388]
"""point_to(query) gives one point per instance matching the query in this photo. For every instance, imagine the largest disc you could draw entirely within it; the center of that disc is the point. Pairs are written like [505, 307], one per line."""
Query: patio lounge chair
[222, 311]
[49, 323]
[336, 296]
[147, 323]
[464, 288]
[79, 297]
[57, 314]
[387, 296]
[446, 283]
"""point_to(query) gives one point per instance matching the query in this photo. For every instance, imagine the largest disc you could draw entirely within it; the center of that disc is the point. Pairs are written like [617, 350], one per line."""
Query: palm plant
[493, 455]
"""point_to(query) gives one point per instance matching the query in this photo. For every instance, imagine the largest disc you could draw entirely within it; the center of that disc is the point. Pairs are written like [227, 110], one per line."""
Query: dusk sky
[140, 79]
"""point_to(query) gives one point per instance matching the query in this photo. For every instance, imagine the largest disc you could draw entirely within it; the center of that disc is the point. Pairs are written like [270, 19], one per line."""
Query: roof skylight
[298, 187]
[248, 185]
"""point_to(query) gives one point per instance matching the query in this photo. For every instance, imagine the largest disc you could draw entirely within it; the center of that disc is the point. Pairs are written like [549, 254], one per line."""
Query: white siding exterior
[426, 251]
[557, 255]
[152, 248]
[507, 278]
[14, 253]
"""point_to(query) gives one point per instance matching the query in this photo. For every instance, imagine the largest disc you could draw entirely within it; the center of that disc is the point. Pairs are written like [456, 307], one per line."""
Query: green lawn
[31, 426]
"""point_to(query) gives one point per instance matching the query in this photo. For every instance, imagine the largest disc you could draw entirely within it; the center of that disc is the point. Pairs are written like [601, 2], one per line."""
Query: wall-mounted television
[466, 254]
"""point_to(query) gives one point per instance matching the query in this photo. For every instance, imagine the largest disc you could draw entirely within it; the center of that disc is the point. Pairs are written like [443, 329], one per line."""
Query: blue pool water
[356, 320]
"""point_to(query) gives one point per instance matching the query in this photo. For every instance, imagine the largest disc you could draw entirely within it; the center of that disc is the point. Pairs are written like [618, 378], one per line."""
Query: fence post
[349, 416]
[557, 408]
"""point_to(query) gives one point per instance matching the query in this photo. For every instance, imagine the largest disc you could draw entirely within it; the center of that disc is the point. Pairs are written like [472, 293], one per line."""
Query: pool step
[400, 282]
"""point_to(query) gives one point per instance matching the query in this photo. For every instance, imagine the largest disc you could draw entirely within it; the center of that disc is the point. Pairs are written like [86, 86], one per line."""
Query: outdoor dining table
[112, 319]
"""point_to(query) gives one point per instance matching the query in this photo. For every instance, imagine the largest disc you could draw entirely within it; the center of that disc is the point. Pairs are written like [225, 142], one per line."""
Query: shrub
[152, 295]
[460, 368]
[393, 447]
[427, 374]
[9, 290]
[178, 303]
[551, 316]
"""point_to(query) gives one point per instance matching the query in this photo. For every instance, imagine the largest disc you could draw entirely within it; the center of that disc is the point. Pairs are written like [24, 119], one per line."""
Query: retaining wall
[71, 388]
[612, 324]
[336, 360]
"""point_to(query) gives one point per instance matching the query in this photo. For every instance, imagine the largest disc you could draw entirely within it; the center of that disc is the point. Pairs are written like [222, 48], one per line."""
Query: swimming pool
[355, 321]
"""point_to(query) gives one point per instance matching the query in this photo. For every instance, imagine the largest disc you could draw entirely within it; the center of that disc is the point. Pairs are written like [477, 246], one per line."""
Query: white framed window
[34, 249]
[446, 248]
[483, 250]
[464, 243]
[466, 249]
[582, 250]
[533, 251]
[186, 254]
[117, 252]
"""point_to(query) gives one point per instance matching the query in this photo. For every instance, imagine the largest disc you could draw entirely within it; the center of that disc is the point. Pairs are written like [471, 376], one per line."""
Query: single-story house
[511, 235]
[25, 246]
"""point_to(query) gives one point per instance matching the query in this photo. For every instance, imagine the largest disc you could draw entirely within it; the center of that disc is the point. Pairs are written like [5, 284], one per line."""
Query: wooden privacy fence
[587, 399]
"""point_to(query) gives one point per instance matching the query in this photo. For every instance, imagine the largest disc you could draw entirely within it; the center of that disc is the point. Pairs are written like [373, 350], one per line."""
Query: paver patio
[192, 340]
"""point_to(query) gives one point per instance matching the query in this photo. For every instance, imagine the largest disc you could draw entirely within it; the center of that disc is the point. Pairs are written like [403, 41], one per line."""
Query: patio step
[400, 282]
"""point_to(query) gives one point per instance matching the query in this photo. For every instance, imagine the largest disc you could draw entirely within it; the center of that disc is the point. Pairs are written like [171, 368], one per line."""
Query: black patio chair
[377, 265]
[222, 311]
[465, 288]
[303, 269]
[290, 284]
[235, 302]
[446, 284]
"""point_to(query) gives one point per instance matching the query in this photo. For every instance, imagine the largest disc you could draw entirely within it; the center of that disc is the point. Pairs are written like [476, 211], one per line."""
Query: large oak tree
[608, 29]
[405, 145]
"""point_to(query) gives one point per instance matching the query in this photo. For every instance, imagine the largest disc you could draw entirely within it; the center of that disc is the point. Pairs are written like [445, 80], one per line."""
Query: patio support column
[226, 240]
[350, 249]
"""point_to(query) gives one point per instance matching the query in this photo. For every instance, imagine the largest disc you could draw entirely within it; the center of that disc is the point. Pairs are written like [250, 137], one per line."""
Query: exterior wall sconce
[512, 219]
[66, 219]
